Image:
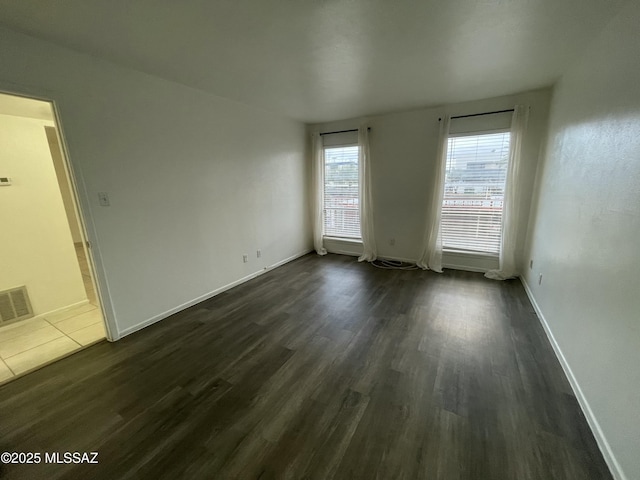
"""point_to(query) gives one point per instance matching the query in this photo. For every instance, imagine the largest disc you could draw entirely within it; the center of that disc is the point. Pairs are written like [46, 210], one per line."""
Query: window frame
[475, 133]
[347, 239]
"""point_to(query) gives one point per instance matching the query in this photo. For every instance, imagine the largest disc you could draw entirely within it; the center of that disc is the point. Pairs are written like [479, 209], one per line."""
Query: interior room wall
[36, 246]
[403, 152]
[194, 181]
[584, 236]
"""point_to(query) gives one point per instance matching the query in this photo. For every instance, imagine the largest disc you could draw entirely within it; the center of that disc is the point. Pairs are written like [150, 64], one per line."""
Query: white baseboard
[601, 440]
[62, 309]
[379, 257]
[469, 262]
[448, 265]
[464, 268]
[206, 296]
[339, 251]
[408, 260]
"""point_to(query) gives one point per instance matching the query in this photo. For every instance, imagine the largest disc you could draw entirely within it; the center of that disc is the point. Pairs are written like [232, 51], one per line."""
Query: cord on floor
[393, 265]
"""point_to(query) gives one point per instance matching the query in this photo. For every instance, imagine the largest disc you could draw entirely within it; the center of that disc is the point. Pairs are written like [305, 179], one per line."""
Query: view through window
[476, 173]
[341, 208]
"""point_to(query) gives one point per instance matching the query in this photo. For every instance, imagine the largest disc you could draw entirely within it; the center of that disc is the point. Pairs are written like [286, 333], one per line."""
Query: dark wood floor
[323, 368]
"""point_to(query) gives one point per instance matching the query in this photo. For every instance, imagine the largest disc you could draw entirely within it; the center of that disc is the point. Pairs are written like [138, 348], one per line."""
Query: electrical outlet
[540, 279]
[392, 242]
[245, 258]
[258, 253]
[530, 264]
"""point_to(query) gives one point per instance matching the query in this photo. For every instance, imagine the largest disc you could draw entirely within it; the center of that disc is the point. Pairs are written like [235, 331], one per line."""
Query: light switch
[103, 197]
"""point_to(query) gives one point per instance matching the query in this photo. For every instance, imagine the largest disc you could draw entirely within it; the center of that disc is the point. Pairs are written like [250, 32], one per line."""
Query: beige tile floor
[30, 343]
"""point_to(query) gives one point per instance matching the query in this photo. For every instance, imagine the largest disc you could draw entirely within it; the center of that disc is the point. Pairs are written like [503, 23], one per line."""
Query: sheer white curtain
[369, 250]
[317, 174]
[431, 257]
[508, 268]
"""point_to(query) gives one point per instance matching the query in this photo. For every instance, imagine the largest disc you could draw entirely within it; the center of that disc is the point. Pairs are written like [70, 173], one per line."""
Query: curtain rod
[343, 131]
[480, 114]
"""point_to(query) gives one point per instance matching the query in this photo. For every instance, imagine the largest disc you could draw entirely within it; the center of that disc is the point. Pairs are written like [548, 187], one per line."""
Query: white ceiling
[321, 60]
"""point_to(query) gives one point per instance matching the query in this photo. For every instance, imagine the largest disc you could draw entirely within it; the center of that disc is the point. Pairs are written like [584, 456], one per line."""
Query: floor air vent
[14, 305]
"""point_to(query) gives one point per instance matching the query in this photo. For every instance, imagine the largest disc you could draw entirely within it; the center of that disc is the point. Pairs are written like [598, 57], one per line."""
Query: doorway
[49, 306]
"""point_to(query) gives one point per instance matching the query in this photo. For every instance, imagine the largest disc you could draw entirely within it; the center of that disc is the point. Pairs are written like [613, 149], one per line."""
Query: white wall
[584, 236]
[36, 248]
[195, 181]
[403, 150]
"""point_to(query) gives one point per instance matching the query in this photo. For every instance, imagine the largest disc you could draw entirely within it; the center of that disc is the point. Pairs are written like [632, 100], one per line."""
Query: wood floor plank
[324, 368]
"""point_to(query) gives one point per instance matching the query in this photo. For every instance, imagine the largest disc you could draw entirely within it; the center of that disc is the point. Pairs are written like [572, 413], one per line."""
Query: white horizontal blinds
[473, 198]
[341, 209]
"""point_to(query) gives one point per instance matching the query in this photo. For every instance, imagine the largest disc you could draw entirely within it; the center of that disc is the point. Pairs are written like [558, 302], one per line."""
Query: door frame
[81, 205]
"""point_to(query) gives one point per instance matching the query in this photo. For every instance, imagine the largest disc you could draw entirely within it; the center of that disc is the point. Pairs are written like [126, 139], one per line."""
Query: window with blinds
[476, 173]
[341, 208]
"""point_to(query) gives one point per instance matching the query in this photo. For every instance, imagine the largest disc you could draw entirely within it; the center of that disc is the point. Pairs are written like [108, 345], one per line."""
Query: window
[476, 173]
[341, 208]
